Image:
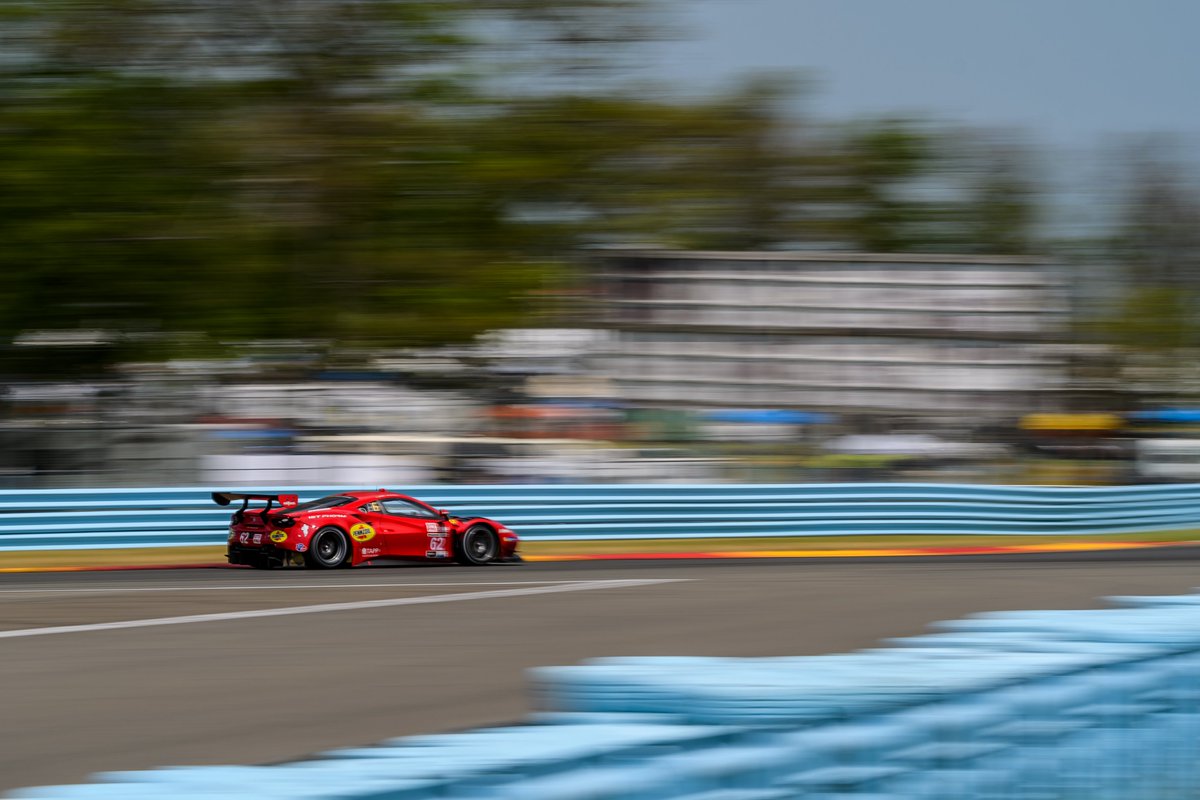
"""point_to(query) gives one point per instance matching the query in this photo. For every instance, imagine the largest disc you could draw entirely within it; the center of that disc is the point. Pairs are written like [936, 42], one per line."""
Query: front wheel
[329, 549]
[478, 546]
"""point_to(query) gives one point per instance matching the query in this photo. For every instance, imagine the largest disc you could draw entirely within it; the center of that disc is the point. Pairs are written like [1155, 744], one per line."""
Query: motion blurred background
[389, 242]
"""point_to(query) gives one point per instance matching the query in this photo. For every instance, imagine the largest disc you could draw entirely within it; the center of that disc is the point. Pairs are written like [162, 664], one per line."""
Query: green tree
[729, 172]
[106, 208]
[1002, 199]
[252, 169]
[882, 162]
[911, 186]
[1151, 314]
[409, 172]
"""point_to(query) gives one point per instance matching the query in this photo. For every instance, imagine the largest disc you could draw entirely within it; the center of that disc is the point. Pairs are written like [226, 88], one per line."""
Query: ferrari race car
[350, 528]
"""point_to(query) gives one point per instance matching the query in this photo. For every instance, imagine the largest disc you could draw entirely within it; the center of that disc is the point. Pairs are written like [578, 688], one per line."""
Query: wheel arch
[466, 525]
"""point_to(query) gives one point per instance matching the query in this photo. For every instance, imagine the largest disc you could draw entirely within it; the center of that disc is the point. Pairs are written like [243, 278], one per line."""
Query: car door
[374, 529]
[416, 531]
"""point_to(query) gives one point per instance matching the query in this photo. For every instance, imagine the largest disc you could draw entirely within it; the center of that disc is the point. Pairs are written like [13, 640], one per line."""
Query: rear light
[283, 522]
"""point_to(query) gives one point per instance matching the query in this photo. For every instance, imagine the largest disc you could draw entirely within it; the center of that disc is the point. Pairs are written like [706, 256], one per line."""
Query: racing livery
[351, 528]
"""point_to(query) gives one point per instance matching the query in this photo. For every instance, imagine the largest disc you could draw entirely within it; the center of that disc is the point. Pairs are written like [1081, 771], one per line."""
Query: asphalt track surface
[115, 671]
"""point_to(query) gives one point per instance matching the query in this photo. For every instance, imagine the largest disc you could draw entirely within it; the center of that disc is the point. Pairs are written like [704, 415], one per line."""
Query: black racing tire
[478, 546]
[329, 549]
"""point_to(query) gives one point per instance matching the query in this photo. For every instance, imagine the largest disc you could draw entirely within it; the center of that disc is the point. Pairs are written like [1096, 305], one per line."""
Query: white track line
[282, 586]
[324, 607]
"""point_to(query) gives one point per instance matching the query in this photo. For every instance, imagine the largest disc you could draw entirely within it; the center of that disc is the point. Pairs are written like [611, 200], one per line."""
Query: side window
[374, 508]
[403, 508]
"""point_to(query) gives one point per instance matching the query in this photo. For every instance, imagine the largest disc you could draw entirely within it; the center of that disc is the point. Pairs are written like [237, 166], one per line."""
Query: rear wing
[284, 500]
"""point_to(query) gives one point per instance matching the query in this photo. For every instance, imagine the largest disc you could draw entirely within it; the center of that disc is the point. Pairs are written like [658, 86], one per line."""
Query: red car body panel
[419, 532]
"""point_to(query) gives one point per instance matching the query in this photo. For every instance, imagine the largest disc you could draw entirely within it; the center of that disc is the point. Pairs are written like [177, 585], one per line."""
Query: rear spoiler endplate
[284, 500]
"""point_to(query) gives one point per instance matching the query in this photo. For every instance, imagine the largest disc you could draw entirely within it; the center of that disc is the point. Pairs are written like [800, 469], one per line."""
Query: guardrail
[122, 518]
[1021, 704]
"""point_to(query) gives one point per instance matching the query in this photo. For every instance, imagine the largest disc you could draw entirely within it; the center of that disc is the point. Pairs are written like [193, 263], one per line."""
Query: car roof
[369, 495]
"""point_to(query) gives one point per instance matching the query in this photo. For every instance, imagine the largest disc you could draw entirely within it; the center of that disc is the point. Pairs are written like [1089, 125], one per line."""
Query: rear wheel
[478, 546]
[329, 549]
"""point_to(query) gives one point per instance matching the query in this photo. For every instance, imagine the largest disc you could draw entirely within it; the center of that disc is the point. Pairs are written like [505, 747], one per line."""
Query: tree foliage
[402, 172]
[292, 169]
[1154, 251]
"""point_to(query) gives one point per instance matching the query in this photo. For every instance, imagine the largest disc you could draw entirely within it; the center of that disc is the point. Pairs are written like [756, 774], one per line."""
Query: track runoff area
[109, 671]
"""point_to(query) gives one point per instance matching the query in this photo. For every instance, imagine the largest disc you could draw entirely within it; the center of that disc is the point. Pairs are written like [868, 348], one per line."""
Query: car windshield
[332, 501]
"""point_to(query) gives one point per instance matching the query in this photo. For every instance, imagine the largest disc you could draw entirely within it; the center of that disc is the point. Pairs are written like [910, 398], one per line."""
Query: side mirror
[443, 513]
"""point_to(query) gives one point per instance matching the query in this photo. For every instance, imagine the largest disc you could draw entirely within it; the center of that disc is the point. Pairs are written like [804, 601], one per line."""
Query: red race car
[350, 528]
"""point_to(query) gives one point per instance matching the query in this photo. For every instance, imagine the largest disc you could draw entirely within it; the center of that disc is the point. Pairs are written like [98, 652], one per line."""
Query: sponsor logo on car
[300, 548]
[257, 539]
[368, 552]
[278, 536]
[362, 532]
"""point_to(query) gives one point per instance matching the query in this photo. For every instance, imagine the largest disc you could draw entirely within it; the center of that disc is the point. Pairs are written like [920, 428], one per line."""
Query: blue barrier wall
[1102, 704]
[116, 518]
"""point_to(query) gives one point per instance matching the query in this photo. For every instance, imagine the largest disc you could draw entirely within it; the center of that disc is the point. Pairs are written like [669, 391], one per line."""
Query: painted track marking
[281, 586]
[348, 606]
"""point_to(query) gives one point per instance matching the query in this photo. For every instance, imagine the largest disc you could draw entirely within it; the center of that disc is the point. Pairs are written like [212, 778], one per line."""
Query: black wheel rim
[329, 548]
[481, 546]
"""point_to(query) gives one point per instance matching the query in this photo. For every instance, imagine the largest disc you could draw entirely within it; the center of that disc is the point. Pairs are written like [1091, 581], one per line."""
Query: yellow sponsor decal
[278, 536]
[362, 532]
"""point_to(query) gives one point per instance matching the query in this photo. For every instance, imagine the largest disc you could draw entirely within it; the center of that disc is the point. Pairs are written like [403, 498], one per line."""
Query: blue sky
[1067, 72]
